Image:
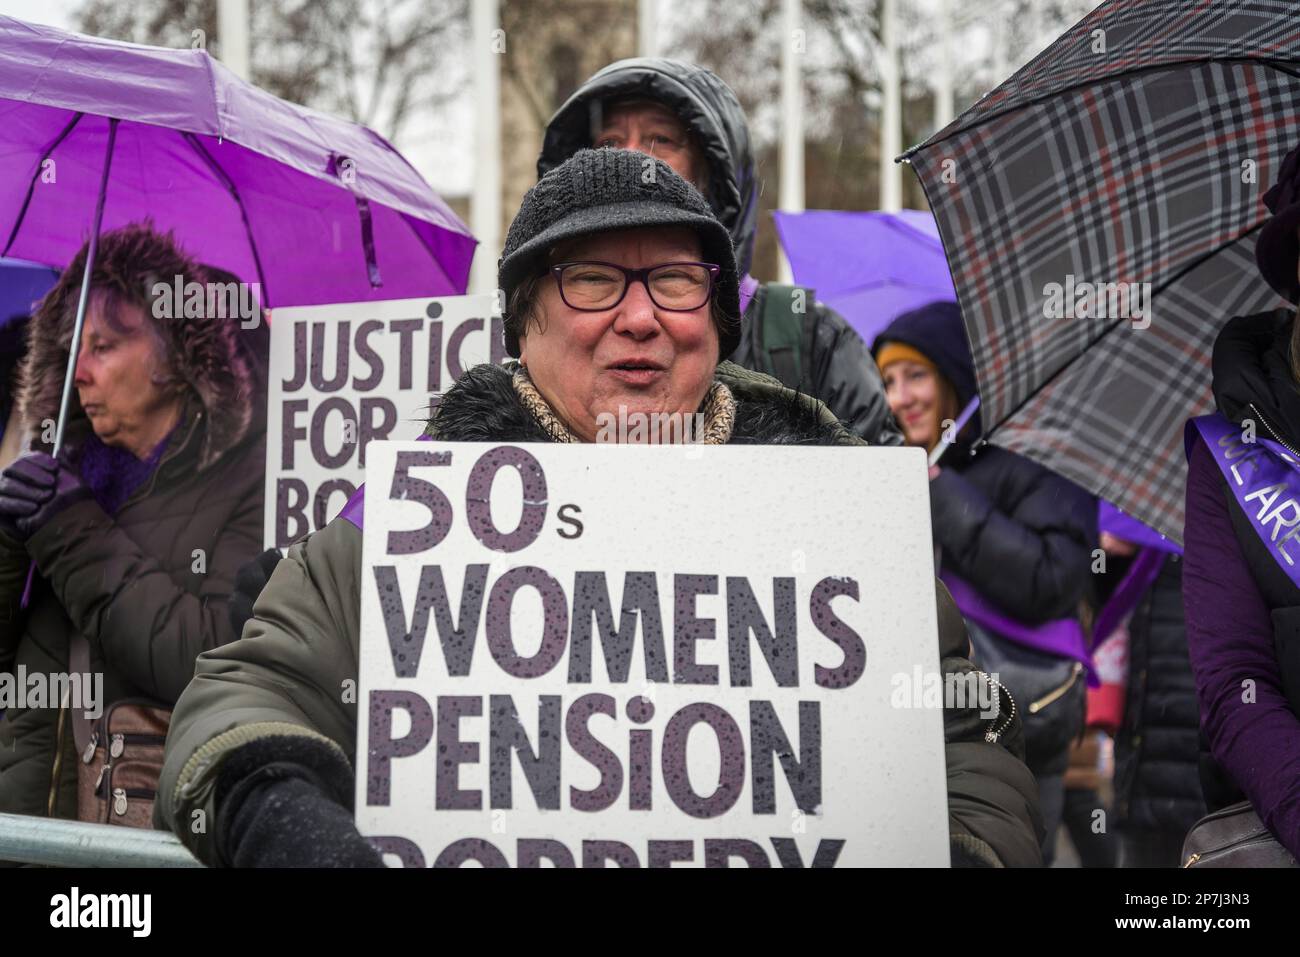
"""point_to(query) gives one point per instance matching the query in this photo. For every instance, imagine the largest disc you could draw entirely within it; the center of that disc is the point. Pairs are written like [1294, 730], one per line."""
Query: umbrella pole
[74, 349]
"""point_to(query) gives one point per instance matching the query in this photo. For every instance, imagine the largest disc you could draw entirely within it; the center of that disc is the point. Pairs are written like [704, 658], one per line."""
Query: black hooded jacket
[1019, 533]
[1252, 374]
[1252, 384]
[837, 367]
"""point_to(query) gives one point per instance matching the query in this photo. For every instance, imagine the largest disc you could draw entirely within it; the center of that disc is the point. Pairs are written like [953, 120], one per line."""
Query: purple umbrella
[95, 134]
[868, 267]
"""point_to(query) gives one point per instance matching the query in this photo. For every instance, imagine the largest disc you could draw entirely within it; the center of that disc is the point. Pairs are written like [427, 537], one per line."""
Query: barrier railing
[54, 843]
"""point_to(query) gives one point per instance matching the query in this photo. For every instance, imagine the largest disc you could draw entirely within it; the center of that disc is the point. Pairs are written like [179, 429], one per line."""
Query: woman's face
[634, 358]
[916, 398]
[115, 379]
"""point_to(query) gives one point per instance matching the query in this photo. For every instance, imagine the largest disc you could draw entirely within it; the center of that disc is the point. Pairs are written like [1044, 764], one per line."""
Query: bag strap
[79, 663]
[783, 331]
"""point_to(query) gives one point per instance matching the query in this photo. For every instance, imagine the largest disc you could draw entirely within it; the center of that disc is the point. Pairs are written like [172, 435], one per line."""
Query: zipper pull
[89, 754]
[117, 745]
[119, 801]
[99, 780]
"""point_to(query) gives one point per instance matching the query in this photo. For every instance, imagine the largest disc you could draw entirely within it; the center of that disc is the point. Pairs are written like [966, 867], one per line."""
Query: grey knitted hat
[598, 191]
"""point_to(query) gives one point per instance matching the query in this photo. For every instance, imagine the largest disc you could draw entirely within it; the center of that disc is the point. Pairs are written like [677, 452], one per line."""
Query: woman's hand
[35, 489]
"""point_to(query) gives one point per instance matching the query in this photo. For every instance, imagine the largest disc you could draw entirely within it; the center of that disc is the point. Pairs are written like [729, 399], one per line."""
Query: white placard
[591, 654]
[346, 374]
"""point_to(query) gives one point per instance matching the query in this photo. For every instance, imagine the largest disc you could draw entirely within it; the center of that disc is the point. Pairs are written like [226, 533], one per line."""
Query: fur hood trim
[484, 407]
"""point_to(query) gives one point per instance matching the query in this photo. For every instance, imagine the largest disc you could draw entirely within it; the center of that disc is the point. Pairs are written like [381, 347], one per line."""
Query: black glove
[249, 582]
[33, 490]
[290, 812]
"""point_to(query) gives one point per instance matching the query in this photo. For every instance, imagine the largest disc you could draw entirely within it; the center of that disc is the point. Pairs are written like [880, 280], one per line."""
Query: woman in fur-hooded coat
[136, 549]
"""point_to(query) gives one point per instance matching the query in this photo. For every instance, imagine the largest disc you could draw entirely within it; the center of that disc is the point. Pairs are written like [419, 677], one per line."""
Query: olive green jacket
[294, 672]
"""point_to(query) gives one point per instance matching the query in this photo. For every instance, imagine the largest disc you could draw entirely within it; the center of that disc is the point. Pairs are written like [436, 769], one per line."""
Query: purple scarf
[114, 474]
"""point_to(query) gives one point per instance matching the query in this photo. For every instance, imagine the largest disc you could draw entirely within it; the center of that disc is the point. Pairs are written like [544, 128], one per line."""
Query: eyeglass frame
[636, 275]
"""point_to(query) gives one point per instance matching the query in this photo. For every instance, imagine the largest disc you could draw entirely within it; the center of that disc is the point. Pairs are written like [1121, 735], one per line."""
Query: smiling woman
[621, 353]
[635, 319]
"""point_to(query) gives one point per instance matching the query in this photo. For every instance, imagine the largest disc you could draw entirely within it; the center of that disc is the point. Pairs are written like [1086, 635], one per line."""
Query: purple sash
[748, 286]
[1264, 479]
[1141, 575]
[1111, 519]
[1063, 637]
[355, 510]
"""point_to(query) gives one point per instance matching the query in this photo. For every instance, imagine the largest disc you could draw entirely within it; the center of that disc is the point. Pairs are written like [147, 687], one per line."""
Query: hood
[937, 332]
[1252, 366]
[703, 102]
[218, 361]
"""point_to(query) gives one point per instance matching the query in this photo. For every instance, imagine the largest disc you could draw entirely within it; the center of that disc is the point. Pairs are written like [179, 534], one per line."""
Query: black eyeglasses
[675, 287]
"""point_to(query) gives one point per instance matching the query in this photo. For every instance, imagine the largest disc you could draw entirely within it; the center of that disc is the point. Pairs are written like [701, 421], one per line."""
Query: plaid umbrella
[1100, 210]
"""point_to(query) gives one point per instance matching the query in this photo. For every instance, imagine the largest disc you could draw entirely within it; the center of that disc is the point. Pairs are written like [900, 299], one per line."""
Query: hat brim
[715, 242]
[1277, 253]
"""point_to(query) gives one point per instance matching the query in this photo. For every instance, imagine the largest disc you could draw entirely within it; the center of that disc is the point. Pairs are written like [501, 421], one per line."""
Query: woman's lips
[637, 373]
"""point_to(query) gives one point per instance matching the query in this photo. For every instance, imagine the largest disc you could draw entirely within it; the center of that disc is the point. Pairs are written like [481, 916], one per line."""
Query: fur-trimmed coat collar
[483, 407]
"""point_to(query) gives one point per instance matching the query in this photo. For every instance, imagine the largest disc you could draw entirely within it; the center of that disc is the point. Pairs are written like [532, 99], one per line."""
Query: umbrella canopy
[1100, 210]
[869, 267]
[315, 208]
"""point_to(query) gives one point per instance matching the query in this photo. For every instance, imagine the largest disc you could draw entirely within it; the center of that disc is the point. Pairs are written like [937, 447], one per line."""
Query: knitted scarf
[718, 408]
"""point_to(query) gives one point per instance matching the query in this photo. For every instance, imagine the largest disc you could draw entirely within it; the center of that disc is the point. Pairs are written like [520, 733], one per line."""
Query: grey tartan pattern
[1127, 167]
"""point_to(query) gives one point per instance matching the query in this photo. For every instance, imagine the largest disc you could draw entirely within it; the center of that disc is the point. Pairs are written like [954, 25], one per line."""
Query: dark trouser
[1095, 848]
[1051, 800]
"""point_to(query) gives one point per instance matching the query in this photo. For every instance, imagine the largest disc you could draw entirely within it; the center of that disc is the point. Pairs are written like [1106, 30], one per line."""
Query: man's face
[653, 129]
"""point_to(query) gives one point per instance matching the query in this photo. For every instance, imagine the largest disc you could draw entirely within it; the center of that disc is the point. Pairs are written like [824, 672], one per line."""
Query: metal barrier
[55, 843]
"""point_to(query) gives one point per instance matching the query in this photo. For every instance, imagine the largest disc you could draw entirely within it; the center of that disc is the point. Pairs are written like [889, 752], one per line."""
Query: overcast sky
[56, 13]
[435, 148]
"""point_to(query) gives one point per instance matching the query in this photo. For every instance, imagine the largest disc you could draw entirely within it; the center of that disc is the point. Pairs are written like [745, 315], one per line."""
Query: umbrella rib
[1116, 324]
[31, 187]
[226, 181]
[906, 157]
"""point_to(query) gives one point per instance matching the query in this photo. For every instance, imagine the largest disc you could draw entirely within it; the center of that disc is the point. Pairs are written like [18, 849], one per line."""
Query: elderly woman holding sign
[622, 294]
